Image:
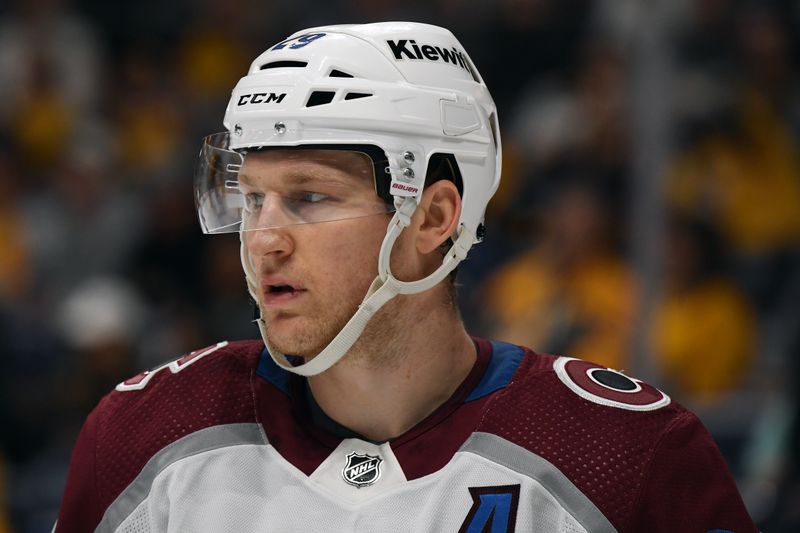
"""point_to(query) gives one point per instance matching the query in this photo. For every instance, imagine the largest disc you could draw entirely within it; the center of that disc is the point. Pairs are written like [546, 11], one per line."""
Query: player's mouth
[278, 290]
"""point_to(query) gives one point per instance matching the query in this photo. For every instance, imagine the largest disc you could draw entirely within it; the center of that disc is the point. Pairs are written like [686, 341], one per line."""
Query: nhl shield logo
[362, 470]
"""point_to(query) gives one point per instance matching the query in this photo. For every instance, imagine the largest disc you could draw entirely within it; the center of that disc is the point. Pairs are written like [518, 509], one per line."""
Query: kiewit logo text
[409, 49]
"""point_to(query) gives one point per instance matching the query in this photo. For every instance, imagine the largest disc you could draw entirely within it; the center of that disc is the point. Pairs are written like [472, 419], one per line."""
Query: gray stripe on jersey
[200, 441]
[517, 458]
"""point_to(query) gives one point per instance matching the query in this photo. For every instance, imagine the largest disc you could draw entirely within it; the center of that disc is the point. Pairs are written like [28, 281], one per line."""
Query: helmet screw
[408, 157]
[408, 174]
[280, 128]
[237, 130]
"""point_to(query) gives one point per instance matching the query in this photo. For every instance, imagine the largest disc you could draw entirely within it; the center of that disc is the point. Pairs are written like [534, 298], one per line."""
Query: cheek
[354, 253]
[347, 253]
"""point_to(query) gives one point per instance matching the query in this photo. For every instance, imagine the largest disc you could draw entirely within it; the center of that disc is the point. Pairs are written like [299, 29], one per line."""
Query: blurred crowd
[104, 271]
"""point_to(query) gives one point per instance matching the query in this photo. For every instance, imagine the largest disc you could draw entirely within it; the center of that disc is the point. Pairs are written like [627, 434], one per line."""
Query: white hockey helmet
[406, 91]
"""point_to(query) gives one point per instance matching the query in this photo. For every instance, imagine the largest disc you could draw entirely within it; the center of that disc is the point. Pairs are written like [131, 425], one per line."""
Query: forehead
[298, 166]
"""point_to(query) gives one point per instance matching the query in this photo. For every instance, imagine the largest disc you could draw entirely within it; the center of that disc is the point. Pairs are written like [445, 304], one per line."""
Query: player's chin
[294, 337]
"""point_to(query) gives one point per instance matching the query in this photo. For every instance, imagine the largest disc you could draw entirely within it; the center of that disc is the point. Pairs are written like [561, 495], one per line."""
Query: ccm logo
[408, 188]
[261, 98]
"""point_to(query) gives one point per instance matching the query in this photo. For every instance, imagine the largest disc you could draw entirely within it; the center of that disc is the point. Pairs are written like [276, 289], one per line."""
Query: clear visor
[276, 187]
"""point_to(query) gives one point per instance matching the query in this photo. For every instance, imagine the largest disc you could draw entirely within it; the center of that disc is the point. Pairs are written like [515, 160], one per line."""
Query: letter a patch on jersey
[494, 510]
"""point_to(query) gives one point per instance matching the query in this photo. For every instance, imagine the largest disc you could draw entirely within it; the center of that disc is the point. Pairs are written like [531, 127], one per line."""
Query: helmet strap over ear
[383, 288]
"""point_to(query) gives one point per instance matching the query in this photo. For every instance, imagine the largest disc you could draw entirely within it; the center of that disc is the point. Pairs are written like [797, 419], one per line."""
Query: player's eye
[313, 197]
[303, 199]
[308, 205]
[253, 201]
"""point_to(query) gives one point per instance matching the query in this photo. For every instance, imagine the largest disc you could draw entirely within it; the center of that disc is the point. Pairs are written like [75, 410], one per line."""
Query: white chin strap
[383, 288]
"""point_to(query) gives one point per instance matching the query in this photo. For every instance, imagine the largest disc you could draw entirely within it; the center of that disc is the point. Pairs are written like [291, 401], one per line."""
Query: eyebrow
[311, 175]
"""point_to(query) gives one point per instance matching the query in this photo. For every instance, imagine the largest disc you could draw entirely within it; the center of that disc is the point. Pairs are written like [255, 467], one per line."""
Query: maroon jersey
[225, 440]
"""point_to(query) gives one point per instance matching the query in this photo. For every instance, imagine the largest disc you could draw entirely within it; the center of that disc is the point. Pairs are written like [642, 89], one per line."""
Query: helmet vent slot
[355, 96]
[320, 98]
[339, 74]
[493, 128]
[282, 64]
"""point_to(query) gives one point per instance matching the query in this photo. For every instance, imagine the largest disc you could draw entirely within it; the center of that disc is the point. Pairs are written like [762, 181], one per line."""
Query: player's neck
[382, 396]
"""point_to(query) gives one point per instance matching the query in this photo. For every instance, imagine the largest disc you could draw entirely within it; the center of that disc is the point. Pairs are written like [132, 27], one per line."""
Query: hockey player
[356, 166]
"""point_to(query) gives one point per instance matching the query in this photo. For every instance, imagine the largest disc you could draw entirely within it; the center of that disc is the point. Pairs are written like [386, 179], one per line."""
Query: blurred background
[648, 217]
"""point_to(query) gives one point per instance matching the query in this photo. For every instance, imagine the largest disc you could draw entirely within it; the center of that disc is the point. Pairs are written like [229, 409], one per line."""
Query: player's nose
[266, 241]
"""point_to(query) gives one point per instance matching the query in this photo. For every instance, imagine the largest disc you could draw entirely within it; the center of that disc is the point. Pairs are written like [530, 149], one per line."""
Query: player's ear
[439, 210]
